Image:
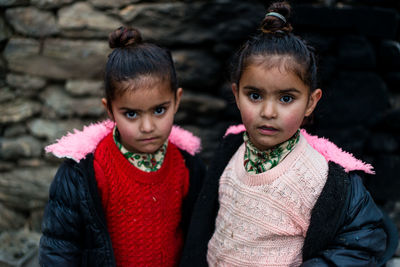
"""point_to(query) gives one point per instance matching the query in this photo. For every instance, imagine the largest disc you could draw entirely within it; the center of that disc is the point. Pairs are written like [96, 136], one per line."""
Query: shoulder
[185, 140]
[70, 176]
[78, 144]
[333, 153]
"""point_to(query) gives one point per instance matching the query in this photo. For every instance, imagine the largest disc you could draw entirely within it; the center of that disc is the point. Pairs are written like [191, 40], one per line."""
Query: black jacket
[74, 226]
[346, 227]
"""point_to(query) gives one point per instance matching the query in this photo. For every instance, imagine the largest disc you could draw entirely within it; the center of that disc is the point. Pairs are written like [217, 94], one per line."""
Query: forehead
[285, 63]
[144, 93]
[269, 78]
[142, 83]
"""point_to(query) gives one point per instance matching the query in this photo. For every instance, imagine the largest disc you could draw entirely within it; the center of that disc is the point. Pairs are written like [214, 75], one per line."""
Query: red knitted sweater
[143, 209]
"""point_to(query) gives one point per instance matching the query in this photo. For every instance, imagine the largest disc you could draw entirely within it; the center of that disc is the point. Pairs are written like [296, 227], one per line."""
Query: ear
[313, 100]
[235, 91]
[104, 102]
[178, 97]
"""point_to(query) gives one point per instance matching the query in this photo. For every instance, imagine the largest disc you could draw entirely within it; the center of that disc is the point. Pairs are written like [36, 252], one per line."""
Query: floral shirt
[144, 161]
[256, 161]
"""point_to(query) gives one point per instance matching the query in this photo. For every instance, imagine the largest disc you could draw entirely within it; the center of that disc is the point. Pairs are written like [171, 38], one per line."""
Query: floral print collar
[256, 161]
[144, 161]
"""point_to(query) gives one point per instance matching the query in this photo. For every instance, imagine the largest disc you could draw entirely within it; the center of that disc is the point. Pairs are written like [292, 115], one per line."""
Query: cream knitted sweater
[263, 218]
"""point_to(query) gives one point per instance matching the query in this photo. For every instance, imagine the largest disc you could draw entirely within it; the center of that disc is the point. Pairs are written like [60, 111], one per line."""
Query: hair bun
[276, 19]
[124, 37]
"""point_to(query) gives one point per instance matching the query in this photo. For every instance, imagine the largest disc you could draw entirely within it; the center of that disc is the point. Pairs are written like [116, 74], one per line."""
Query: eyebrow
[155, 106]
[281, 91]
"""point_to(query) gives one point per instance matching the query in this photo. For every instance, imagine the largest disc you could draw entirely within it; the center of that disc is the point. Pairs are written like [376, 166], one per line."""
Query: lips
[267, 130]
[148, 139]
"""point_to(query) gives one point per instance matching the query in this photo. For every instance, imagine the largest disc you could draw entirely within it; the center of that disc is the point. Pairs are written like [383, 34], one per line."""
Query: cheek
[166, 123]
[293, 120]
[126, 130]
[248, 116]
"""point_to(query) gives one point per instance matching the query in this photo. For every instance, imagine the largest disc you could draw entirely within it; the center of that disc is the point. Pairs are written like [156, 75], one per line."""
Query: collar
[148, 162]
[257, 161]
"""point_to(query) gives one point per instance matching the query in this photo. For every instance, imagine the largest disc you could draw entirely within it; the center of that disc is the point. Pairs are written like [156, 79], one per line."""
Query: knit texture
[263, 218]
[143, 209]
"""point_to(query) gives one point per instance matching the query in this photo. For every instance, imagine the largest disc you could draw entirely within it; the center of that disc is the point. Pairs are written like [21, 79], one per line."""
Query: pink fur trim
[235, 129]
[78, 144]
[328, 149]
[185, 140]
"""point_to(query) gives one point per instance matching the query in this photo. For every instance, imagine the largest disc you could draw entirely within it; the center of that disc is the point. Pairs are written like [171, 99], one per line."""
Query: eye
[286, 99]
[254, 96]
[131, 114]
[159, 110]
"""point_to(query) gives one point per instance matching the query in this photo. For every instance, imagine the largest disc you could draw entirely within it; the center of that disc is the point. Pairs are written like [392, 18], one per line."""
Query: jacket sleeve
[361, 239]
[197, 171]
[61, 226]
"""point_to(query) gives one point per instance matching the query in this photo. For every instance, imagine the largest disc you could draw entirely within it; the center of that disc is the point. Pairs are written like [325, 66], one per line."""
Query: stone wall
[53, 53]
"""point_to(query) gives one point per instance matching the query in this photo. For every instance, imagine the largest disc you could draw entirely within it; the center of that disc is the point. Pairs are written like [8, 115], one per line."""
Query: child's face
[145, 115]
[273, 103]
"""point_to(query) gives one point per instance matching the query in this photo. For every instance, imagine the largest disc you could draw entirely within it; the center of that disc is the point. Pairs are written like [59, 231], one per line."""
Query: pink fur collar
[78, 144]
[328, 149]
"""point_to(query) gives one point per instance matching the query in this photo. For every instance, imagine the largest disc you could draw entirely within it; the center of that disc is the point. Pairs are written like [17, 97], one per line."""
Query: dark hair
[132, 59]
[276, 39]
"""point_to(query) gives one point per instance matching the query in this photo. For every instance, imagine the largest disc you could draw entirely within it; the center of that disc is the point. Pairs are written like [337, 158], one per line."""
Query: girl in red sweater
[124, 196]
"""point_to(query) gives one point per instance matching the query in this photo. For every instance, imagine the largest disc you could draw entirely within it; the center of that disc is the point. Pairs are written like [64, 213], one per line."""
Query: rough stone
[368, 21]
[60, 59]
[20, 48]
[26, 188]
[29, 85]
[389, 55]
[23, 146]
[6, 95]
[35, 220]
[193, 23]
[161, 21]
[84, 87]
[395, 101]
[111, 4]
[32, 21]
[19, 248]
[201, 104]
[14, 130]
[6, 166]
[5, 32]
[3, 70]
[50, 4]
[366, 88]
[10, 219]
[52, 130]
[356, 52]
[392, 80]
[390, 122]
[81, 16]
[382, 142]
[385, 185]
[18, 110]
[191, 70]
[66, 106]
[10, 3]
[395, 262]
[34, 162]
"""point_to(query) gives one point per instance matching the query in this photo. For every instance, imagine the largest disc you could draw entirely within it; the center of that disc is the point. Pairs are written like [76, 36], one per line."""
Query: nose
[269, 110]
[146, 124]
